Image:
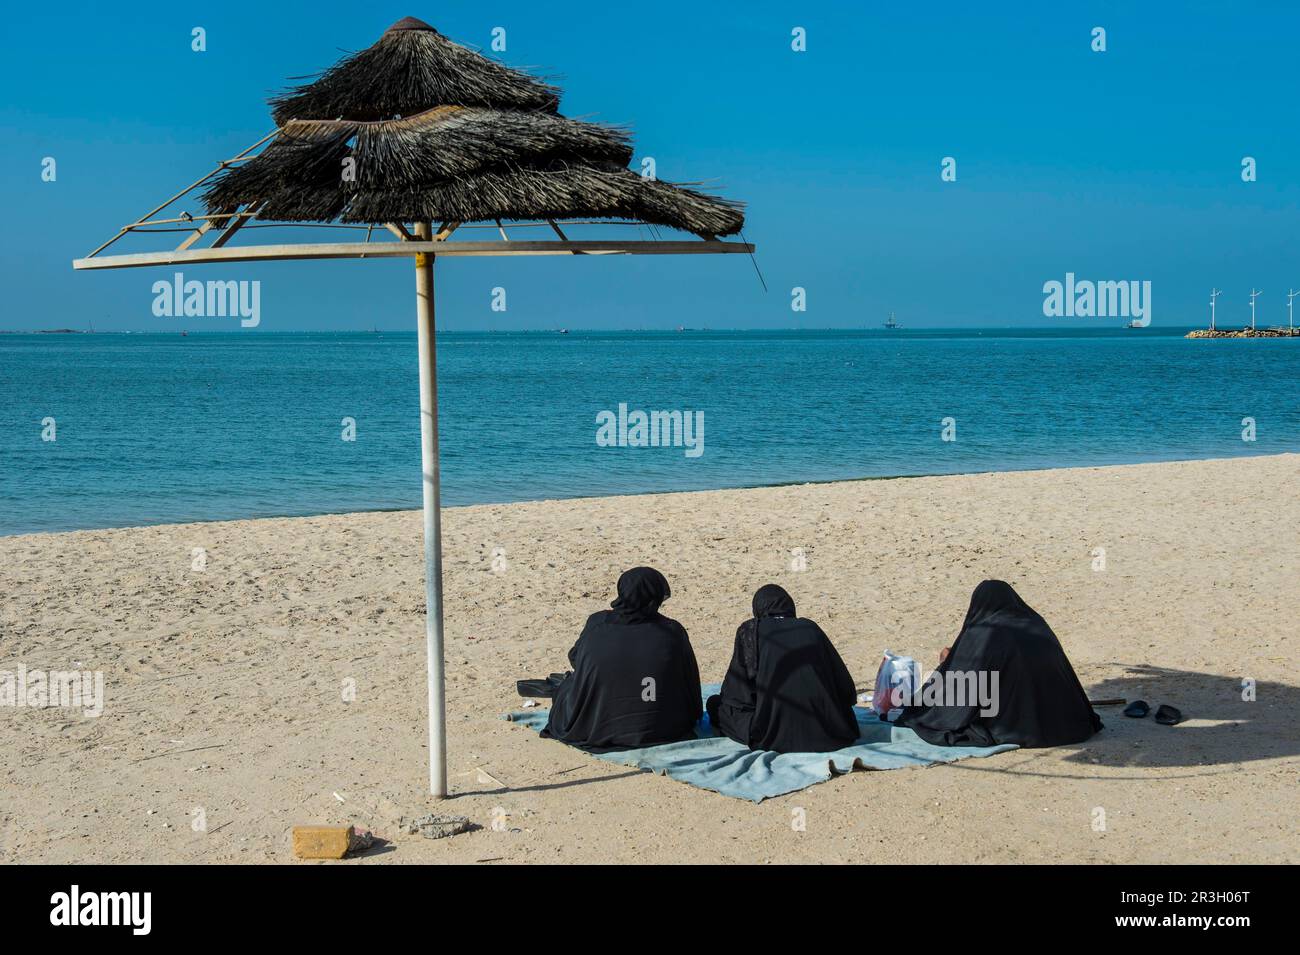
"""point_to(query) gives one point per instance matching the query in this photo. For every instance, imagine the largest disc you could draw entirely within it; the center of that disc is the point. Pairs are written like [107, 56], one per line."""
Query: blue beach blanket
[724, 766]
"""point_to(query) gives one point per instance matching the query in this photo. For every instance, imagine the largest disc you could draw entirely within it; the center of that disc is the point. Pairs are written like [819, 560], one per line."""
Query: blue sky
[1117, 165]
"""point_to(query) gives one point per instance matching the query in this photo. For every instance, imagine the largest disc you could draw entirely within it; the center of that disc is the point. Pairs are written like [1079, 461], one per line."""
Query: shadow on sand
[1220, 730]
[547, 787]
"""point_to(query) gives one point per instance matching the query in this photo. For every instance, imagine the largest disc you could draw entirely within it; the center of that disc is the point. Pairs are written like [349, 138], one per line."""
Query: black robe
[1040, 701]
[606, 703]
[786, 690]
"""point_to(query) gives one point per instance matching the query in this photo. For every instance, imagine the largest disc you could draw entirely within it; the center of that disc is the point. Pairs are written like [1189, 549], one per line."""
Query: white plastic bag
[895, 681]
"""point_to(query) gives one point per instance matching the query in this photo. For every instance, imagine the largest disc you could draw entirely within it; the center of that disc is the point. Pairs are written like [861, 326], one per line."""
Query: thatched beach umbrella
[412, 131]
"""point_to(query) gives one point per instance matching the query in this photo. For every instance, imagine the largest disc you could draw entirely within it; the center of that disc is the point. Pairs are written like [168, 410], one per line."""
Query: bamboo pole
[198, 182]
[433, 637]
[357, 250]
[236, 223]
[197, 234]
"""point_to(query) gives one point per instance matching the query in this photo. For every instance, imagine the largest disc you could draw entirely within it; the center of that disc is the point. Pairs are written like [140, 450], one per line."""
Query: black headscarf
[640, 592]
[635, 681]
[773, 601]
[787, 689]
[769, 601]
[995, 596]
[1040, 701]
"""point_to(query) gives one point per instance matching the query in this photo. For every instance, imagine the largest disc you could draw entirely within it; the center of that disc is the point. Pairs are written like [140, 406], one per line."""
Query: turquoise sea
[161, 428]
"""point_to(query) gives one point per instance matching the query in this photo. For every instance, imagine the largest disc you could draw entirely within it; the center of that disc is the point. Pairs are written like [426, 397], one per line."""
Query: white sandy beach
[224, 686]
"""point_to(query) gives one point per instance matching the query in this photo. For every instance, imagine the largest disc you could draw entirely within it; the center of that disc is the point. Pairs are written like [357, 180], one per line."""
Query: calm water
[154, 428]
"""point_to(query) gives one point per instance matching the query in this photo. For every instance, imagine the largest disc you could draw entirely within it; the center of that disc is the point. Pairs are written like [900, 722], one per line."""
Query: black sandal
[541, 689]
[1168, 715]
[1138, 709]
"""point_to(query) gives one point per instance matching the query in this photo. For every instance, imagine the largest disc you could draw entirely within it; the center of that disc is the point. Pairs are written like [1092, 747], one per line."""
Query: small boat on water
[891, 323]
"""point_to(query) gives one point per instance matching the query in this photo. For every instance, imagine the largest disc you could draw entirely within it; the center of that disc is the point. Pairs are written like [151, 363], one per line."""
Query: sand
[226, 718]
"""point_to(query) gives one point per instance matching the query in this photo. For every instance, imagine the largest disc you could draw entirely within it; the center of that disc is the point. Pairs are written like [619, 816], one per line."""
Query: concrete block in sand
[322, 842]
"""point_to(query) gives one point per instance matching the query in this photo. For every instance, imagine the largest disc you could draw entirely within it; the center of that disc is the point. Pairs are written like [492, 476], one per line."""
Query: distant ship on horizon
[891, 323]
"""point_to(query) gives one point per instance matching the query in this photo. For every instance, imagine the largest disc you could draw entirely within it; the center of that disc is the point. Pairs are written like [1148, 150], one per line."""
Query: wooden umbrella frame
[422, 243]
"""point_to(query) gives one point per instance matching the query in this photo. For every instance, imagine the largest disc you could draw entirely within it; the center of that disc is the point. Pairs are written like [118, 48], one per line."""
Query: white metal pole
[432, 515]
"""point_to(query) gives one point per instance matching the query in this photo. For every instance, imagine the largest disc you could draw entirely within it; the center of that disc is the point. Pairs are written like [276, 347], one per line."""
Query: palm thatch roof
[412, 68]
[436, 132]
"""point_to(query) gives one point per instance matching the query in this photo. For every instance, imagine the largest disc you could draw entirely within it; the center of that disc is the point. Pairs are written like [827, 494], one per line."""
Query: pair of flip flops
[1166, 715]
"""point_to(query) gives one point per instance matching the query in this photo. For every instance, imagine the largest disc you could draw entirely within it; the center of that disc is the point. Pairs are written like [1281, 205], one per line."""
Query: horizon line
[557, 330]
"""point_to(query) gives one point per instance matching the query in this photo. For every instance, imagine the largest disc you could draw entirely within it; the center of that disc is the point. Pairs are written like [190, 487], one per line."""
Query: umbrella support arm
[432, 516]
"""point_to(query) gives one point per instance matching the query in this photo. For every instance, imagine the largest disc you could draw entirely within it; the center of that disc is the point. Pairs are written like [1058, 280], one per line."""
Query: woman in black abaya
[1039, 702]
[635, 681]
[787, 689]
